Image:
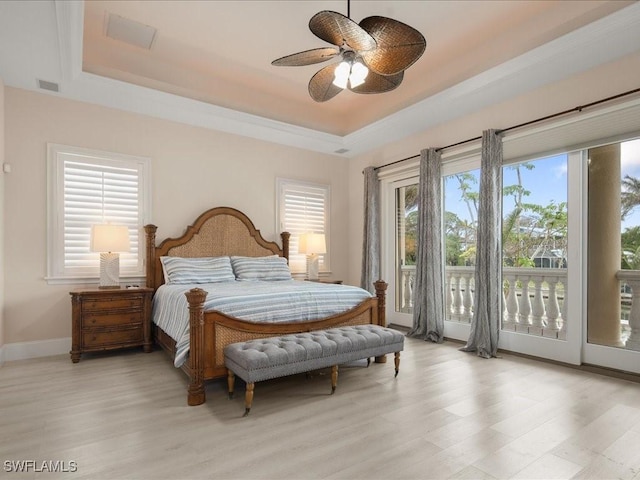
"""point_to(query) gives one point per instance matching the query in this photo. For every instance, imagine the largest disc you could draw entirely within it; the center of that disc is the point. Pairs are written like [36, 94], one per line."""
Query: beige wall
[605, 81]
[193, 169]
[208, 168]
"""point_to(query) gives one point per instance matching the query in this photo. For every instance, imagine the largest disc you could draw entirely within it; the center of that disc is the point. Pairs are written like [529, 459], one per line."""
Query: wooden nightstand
[325, 280]
[109, 319]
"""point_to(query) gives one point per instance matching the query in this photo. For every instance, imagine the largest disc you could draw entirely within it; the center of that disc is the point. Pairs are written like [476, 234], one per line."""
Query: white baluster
[412, 284]
[537, 308]
[504, 306]
[553, 310]
[457, 298]
[401, 290]
[467, 299]
[512, 303]
[406, 292]
[448, 297]
[525, 306]
[562, 334]
[633, 342]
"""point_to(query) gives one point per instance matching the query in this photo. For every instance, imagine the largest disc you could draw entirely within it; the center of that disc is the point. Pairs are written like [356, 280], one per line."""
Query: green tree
[453, 235]
[630, 195]
[411, 237]
[631, 248]
[514, 223]
[468, 186]
[630, 199]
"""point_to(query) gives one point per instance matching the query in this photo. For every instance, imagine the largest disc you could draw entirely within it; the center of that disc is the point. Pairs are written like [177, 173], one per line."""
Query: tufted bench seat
[263, 359]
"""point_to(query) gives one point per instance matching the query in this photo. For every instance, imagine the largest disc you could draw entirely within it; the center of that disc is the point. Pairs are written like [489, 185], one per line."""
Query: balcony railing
[533, 300]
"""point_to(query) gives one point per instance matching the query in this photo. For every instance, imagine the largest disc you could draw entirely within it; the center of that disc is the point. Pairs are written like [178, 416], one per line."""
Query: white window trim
[55, 202]
[281, 185]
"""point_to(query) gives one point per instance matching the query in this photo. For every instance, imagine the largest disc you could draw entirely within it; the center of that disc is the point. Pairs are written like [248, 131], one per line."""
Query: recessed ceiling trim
[602, 41]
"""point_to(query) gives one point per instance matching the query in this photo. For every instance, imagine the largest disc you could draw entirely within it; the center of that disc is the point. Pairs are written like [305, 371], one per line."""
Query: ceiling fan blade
[321, 87]
[335, 28]
[379, 83]
[399, 45]
[308, 57]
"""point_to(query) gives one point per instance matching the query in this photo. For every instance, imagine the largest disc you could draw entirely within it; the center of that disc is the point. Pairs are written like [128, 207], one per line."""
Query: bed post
[196, 298]
[381, 288]
[150, 231]
[285, 244]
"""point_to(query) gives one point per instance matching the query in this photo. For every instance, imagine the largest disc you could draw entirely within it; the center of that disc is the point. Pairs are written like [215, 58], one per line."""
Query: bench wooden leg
[248, 399]
[231, 380]
[334, 378]
[397, 362]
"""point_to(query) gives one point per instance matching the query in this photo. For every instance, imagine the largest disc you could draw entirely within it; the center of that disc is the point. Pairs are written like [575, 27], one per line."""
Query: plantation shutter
[92, 189]
[303, 209]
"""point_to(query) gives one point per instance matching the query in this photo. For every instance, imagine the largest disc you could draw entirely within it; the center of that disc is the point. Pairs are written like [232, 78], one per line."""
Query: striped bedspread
[259, 301]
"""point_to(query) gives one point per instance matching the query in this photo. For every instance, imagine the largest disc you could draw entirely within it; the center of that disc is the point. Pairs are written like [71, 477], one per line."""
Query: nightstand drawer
[99, 319]
[107, 319]
[119, 337]
[112, 303]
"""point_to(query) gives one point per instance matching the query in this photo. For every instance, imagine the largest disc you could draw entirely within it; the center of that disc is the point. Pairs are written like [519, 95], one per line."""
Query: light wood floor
[449, 414]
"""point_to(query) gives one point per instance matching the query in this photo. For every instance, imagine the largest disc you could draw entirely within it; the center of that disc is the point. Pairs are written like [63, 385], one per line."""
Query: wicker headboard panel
[219, 231]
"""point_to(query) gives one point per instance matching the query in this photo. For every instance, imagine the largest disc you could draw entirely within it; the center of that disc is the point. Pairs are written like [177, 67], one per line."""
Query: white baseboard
[41, 348]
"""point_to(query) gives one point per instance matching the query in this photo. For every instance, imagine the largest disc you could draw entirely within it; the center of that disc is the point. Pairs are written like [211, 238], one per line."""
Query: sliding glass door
[537, 253]
[541, 257]
[402, 200]
[571, 253]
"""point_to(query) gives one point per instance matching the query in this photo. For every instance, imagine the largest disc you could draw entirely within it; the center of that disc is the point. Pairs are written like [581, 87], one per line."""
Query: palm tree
[630, 195]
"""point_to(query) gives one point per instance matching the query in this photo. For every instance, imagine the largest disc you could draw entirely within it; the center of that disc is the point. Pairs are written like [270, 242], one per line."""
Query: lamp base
[109, 270]
[312, 267]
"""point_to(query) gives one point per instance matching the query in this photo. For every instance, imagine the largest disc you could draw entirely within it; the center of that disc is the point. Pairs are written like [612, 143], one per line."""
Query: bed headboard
[217, 232]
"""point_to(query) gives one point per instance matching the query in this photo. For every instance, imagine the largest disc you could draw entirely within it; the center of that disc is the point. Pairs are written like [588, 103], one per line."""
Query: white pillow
[183, 270]
[261, 268]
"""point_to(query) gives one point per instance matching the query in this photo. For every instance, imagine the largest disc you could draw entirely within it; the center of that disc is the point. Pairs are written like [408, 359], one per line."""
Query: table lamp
[109, 240]
[312, 244]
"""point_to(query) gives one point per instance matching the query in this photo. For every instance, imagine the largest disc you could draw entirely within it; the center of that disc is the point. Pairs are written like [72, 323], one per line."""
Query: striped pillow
[261, 268]
[181, 270]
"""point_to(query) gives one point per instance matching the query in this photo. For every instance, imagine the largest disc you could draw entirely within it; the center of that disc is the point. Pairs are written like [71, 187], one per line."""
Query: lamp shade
[109, 238]
[312, 243]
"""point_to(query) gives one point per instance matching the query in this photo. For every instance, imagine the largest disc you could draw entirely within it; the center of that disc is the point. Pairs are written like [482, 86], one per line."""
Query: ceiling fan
[374, 54]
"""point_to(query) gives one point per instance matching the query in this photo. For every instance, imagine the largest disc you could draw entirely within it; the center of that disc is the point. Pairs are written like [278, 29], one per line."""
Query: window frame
[296, 263]
[57, 272]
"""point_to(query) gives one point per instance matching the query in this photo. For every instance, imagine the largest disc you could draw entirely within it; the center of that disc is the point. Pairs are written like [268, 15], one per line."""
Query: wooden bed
[227, 231]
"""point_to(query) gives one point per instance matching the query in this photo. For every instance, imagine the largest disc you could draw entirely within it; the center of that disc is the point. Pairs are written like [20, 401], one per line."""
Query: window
[303, 208]
[87, 187]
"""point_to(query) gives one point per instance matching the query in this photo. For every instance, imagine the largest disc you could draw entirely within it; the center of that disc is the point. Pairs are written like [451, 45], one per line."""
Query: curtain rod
[525, 124]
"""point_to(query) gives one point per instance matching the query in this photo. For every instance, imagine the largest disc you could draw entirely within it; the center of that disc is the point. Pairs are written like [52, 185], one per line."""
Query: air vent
[51, 86]
[342, 150]
[130, 31]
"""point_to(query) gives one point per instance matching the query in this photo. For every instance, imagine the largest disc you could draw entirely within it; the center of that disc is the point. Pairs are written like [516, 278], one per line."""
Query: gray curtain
[485, 325]
[428, 291]
[371, 234]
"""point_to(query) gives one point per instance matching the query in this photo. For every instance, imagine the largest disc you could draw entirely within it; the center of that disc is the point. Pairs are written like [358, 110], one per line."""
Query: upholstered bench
[263, 359]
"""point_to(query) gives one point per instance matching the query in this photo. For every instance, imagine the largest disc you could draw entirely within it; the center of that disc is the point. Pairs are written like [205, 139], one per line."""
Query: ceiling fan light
[359, 73]
[342, 75]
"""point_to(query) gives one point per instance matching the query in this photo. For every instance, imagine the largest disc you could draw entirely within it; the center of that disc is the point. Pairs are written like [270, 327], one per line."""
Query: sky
[546, 182]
